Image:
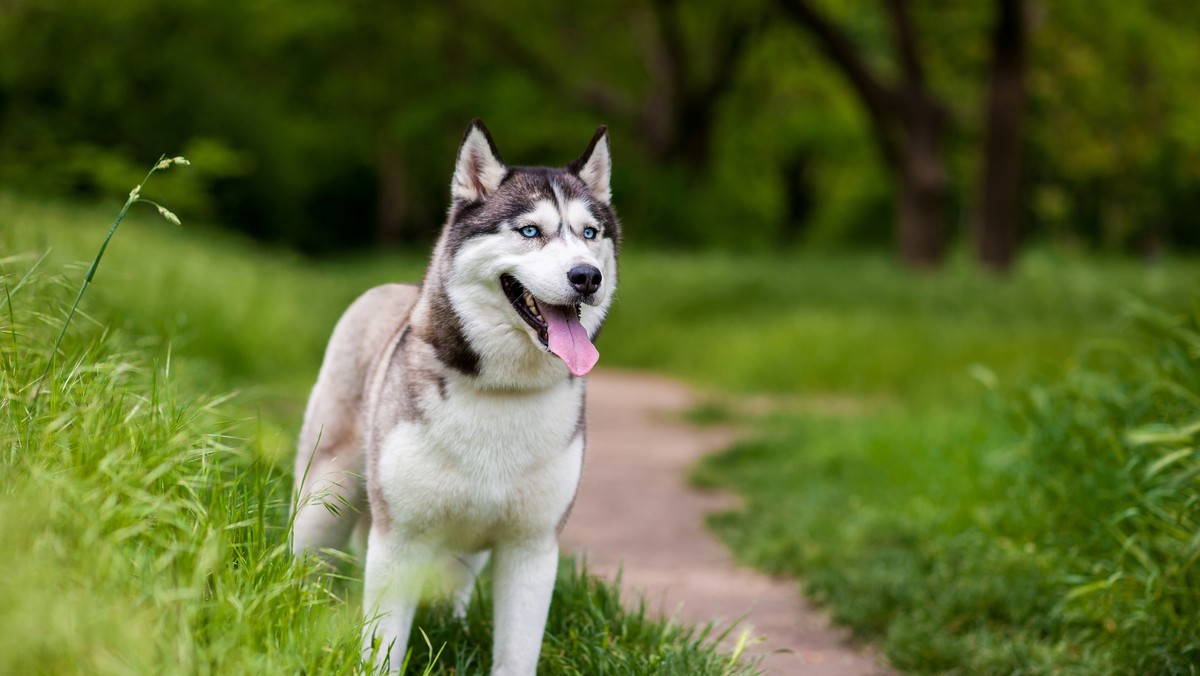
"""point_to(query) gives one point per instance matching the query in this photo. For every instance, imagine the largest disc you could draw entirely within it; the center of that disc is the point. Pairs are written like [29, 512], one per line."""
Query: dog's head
[531, 252]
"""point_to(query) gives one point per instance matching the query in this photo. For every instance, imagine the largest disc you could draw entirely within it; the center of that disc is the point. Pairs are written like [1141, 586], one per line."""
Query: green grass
[140, 537]
[1051, 528]
[144, 512]
[950, 461]
[859, 325]
[959, 466]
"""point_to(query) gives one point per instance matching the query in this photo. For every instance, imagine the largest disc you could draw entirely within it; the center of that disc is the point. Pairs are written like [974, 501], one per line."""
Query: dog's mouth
[528, 307]
[557, 326]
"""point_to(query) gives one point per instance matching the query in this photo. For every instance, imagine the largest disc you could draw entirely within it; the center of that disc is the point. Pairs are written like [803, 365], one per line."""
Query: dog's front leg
[393, 577]
[524, 581]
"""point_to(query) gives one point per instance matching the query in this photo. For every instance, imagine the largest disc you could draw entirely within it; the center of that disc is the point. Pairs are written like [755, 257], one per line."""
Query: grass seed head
[167, 214]
[168, 161]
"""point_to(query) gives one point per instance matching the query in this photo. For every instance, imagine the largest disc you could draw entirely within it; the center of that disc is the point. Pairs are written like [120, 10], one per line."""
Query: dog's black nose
[585, 279]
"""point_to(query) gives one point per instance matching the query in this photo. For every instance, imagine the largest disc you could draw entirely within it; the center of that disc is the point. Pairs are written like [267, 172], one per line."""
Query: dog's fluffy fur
[461, 401]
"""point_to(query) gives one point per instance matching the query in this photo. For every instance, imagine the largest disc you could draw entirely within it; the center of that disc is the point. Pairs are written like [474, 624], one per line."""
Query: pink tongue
[568, 339]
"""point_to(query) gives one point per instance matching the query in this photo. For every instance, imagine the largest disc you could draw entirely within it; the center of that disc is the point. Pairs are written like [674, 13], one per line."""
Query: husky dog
[461, 402]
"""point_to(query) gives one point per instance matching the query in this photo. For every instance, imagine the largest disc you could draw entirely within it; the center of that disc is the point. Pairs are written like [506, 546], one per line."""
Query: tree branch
[876, 98]
[904, 38]
[672, 41]
[725, 65]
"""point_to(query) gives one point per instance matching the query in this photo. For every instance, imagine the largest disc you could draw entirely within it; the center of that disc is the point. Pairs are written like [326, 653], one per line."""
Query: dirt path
[635, 510]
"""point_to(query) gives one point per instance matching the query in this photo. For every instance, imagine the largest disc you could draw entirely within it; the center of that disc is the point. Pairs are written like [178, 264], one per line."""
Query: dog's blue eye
[590, 233]
[530, 231]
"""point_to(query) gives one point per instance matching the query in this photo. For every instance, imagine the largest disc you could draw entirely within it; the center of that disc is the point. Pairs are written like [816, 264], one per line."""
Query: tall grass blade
[134, 196]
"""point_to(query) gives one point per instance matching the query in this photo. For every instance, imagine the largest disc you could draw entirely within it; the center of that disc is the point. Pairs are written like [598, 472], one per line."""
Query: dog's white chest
[481, 466]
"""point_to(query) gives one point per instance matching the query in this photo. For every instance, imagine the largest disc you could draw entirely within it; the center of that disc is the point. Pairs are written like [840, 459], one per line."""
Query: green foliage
[1113, 137]
[145, 522]
[1114, 472]
[304, 116]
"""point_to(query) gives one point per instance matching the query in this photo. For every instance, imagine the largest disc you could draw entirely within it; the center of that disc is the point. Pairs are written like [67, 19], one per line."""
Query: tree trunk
[997, 219]
[798, 197]
[921, 204]
[922, 181]
[908, 122]
[681, 109]
[393, 227]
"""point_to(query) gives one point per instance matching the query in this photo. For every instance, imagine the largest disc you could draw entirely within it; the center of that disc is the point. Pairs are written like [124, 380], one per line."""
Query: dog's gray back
[331, 456]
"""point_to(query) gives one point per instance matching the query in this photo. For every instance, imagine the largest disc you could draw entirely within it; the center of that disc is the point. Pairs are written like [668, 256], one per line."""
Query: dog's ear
[594, 166]
[479, 169]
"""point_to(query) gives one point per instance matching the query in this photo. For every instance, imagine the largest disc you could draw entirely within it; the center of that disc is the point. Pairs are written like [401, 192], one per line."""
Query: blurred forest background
[327, 125]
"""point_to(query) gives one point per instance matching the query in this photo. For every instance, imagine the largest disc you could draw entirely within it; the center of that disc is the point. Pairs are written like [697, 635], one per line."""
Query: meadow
[980, 474]
[1005, 505]
[146, 471]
